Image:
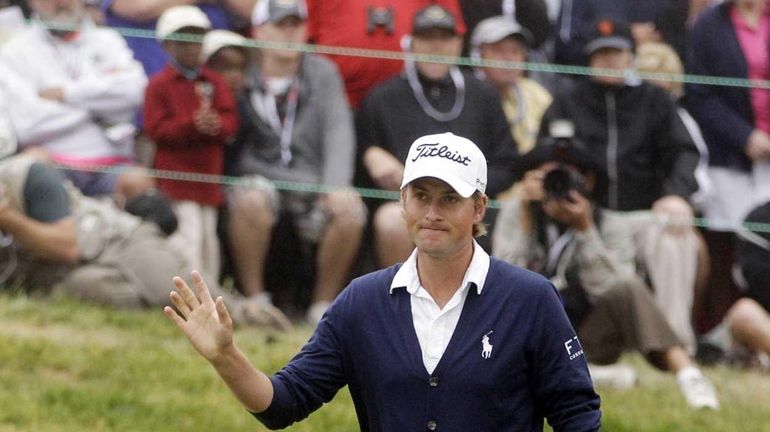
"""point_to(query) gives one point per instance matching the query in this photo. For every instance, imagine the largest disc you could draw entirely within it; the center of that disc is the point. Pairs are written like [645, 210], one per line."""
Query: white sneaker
[697, 389]
[316, 311]
[615, 376]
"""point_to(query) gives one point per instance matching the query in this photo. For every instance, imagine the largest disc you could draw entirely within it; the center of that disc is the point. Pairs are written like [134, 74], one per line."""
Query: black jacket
[636, 132]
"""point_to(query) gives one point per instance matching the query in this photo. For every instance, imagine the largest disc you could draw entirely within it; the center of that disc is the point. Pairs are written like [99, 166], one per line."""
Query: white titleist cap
[448, 157]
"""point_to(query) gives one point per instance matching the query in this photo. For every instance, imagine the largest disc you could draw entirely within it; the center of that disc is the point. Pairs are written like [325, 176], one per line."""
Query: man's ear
[480, 207]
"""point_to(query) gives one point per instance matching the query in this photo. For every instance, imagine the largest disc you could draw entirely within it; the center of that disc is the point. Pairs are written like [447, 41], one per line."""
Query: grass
[69, 367]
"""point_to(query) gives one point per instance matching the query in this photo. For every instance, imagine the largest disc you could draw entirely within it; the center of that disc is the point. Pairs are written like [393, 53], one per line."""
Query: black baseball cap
[432, 17]
[609, 33]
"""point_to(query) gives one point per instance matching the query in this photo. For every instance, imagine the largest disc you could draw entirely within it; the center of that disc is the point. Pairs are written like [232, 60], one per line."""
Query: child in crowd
[191, 115]
[225, 52]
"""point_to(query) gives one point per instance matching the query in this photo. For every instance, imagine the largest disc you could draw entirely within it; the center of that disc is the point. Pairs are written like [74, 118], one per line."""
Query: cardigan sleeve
[314, 376]
[560, 379]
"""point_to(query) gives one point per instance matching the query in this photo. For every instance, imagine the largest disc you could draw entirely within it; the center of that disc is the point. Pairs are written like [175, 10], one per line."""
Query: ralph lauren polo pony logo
[486, 347]
[433, 150]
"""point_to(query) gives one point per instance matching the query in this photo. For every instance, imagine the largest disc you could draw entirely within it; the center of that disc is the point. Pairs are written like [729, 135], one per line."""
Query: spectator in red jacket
[191, 115]
[375, 25]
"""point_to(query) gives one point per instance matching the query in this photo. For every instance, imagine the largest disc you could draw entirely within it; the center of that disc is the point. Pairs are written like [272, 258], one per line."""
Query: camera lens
[558, 183]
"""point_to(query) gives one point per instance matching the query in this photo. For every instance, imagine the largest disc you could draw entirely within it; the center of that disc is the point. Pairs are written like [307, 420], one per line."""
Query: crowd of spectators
[83, 83]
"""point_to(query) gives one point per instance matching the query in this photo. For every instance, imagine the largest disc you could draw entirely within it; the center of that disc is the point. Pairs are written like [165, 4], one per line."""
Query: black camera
[558, 182]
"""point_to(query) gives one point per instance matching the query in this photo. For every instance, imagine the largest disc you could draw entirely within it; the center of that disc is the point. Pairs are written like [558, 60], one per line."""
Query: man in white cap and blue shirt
[442, 341]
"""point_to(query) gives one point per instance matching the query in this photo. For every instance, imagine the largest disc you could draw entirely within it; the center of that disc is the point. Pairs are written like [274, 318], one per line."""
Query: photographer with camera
[554, 227]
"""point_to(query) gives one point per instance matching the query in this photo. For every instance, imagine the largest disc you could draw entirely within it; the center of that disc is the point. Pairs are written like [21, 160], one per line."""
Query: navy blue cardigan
[367, 340]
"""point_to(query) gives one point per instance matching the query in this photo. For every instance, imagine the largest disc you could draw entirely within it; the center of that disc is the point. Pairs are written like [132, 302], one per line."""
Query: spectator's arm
[604, 257]
[227, 110]
[148, 10]
[114, 90]
[55, 241]
[241, 8]
[511, 242]
[703, 101]
[144, 10]
[678, 156]
[36, 120]
[338, 132]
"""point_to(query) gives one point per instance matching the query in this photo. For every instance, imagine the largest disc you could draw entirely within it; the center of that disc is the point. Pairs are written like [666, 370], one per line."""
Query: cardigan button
[433, 381]
[431, 425]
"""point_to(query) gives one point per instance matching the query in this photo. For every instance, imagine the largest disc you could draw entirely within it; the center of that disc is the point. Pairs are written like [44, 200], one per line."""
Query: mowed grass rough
[71, 367]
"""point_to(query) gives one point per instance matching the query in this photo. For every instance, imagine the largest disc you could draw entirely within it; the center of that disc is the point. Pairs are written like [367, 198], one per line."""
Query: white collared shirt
[434, 326]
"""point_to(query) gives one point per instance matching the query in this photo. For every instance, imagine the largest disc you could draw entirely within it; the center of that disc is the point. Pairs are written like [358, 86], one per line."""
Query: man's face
[59, 11]
[510, 49]
[291, 29]
[230, 62]
[436, 41]
[187, 54]
[439, 221]
[611, 58]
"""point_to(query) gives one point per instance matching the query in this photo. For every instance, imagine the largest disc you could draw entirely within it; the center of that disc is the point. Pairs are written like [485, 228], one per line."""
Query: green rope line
[316, 188]
[460, 61]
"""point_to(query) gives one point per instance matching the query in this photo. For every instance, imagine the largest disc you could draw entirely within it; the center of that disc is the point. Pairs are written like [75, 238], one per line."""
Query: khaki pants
[196, 236]
[134, 271]
[625, 318]
[670, 261]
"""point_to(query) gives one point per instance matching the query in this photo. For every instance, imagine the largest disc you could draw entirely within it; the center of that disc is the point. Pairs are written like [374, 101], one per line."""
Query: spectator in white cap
[513, 361]
[296, 126]
[190, 114]
[500, 39]
[226, 53]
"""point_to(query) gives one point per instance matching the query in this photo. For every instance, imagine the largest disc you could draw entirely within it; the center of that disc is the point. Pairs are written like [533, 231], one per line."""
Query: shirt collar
[407, 276]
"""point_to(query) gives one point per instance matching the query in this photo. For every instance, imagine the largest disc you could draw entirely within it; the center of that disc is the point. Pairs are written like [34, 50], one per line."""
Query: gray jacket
[322, 141]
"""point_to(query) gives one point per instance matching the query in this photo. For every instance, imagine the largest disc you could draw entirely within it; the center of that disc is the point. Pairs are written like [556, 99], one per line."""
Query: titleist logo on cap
[433, 150]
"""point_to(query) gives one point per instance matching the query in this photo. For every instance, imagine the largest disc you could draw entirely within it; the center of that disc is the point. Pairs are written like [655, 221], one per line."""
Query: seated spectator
[530, 14]
[730, 40]
[428, 98]
[77, 91]
[226, 53]
[743, 337]
[143, 15]
[553, 226]
[295, 126]
[190, 115]
[650, 160]
[524, 100]
[91, 250]
[379, 25]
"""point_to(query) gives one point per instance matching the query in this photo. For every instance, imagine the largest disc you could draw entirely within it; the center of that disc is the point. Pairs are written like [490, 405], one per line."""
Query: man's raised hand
[206, 323]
